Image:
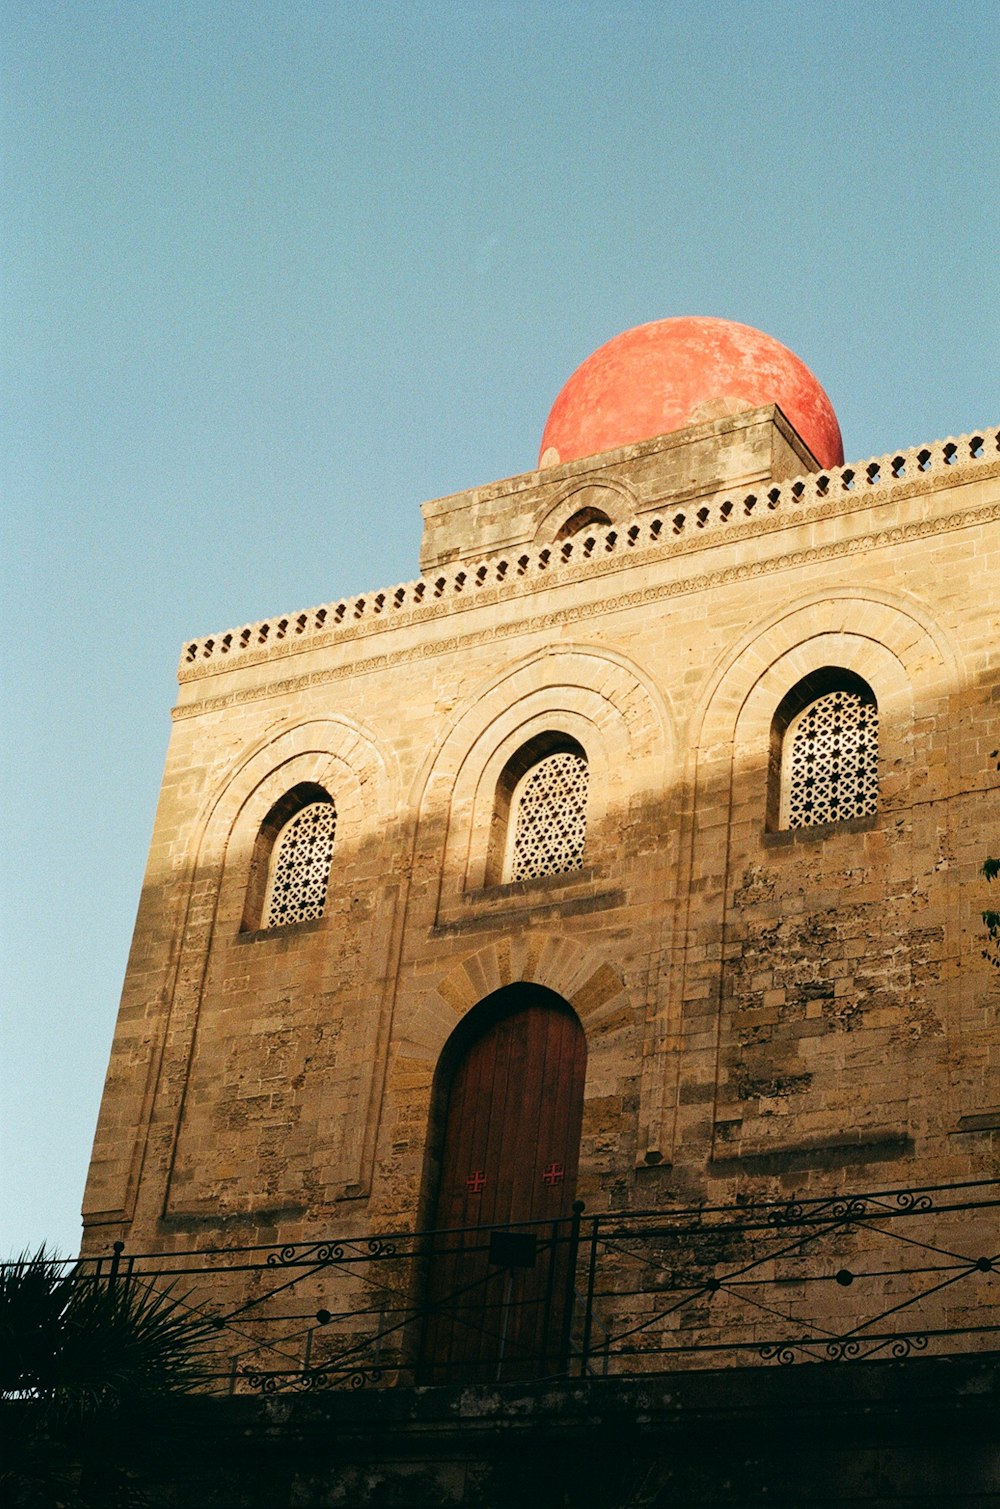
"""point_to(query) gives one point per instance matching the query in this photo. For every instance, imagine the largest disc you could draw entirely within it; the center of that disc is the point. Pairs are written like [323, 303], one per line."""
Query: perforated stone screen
[300, 866]
[550, 818]
[831, 768]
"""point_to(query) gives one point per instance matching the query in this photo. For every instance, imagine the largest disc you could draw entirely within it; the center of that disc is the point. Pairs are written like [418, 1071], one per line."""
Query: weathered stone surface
[760, 1006]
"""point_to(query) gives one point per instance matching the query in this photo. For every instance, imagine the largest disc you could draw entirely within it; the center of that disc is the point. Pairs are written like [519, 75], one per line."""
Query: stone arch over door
[427, 1017]
[508, 1107]
[591, 985]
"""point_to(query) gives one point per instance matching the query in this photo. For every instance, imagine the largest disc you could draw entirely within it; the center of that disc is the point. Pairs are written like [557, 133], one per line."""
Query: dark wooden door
[509, 1164]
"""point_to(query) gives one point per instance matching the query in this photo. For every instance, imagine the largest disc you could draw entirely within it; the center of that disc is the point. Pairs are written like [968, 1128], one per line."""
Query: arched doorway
[511, 1100]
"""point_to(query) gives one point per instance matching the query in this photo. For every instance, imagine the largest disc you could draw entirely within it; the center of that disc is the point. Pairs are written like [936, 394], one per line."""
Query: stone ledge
[817, 1155]
[452, 924]
[980, 1121]
[920, 1432]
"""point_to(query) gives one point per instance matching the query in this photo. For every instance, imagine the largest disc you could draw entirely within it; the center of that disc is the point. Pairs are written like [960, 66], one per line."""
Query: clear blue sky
[275, 273]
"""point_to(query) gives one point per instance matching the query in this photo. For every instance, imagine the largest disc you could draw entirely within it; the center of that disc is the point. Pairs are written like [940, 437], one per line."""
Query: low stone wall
[920, 1432]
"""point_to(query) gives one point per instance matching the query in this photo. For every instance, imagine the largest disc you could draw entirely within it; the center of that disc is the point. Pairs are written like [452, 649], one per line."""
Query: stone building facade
[745, 707]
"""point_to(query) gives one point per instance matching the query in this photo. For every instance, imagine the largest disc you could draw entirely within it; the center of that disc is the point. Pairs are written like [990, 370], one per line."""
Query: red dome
[672, 373]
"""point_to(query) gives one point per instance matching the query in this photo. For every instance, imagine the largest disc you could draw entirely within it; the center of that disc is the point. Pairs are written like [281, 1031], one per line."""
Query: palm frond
[82, 1341]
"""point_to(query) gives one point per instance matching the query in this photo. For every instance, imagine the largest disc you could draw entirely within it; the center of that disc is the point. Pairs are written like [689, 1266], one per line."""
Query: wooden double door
[500, 1267]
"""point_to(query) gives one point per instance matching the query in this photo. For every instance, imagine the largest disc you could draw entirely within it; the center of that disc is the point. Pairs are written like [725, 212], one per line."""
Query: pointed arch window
[290, 870]
[825, 752]
[540, 822]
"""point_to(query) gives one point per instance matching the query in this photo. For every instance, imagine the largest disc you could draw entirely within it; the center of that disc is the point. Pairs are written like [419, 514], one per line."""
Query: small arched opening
[584, 518]
[823, 765]
[539, 822]
[290, 865]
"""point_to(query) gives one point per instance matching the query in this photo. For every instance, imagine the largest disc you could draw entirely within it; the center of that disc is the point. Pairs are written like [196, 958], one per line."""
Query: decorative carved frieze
[577, 613]
[651, 535]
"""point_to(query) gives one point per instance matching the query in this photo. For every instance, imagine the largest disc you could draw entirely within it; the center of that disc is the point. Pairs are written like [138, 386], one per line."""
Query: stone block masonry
[765, 1009]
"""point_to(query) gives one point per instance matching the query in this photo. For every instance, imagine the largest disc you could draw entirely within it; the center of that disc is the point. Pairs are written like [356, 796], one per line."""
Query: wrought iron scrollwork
[785, 1215]
[377, 1247]
[850, 1209]
[284, 1254]
[783, 1352]
[325, 1253]
[311, 1380]
[904, 1345]
[906, 1199]
[319, 1253]
[844, 1350]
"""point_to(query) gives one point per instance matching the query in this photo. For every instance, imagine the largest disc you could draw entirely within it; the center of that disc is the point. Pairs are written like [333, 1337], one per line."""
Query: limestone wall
[763, 1009]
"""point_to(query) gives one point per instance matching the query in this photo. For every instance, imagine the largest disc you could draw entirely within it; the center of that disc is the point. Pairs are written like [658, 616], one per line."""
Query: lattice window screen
[831, 764]
[300, 866]
[550, 818]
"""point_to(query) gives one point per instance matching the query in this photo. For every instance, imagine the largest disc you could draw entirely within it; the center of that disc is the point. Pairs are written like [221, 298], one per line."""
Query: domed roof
[672, 373]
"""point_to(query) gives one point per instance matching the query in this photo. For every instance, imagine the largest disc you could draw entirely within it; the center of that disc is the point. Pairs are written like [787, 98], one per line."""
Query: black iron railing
[880, 1274]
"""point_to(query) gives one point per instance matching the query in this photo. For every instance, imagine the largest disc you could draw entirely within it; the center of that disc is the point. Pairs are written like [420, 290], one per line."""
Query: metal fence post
[567, 1317]
[117, 1248]
[588, 1314]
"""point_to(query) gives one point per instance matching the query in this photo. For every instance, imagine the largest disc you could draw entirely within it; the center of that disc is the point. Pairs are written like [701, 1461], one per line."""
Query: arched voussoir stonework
[596, 698]
[336, 754]
[583, 977]
[343, 760]
[226, 961]
[609, 497]
[867, 659]
[577, 671]
[888, 638]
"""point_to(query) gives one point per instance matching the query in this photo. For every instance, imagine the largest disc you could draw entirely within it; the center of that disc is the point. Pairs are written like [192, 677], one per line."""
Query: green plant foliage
[991, 920]
[82, 1343]
[83, 1360]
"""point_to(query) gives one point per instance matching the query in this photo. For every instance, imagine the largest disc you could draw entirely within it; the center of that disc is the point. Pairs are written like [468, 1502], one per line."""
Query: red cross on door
[512, 1096]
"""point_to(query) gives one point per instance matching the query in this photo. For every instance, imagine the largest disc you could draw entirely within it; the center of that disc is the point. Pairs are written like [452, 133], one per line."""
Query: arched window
[824, 752]
[290, 868]
[540, 822]
[584, 518]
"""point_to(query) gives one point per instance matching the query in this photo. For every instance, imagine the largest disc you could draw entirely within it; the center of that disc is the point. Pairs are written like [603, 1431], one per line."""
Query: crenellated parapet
[665, 529]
